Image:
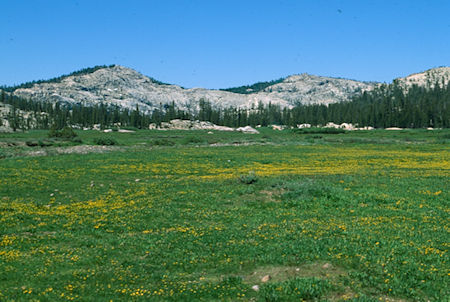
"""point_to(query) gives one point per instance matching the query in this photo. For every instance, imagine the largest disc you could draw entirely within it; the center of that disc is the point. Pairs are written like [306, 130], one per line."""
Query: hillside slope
[127, 88]
[428, 78]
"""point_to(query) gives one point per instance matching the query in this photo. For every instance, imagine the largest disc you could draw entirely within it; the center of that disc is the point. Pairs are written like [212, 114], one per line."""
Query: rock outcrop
[127, 88]
[189, 125]
[247, 129]
[178, 124]
[428, 78]
[310, 89]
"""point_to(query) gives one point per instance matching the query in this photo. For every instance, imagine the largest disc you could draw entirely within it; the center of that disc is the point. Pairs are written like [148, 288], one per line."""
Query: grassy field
[189, 215]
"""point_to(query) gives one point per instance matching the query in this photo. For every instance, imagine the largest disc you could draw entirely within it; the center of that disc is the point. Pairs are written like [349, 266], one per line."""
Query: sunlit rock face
[127, 88]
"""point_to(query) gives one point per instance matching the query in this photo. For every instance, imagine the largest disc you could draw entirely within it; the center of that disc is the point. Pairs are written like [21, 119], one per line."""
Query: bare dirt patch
[81, 149]
[265, 195]
[283, 273]
[84, 149]
[278, 274]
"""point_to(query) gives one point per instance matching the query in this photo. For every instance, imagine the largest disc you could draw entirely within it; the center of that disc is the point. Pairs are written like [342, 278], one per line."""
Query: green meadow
[198, 216]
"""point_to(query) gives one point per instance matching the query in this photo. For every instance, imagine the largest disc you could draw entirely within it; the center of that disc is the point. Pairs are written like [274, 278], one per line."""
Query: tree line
[59, 79]
[386, 106]
[259, 86]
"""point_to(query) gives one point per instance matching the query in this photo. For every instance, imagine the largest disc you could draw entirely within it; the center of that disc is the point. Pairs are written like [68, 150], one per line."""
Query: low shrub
[318, 131]
[77, 140]
[315, 136]
[212, 141]
[128, 128]
[64, 133]
[45, 143]
[4, 153]
[297, 289]
[105, 141]
[31, 143]
[248, 178]
[193, 140]
[162, 142]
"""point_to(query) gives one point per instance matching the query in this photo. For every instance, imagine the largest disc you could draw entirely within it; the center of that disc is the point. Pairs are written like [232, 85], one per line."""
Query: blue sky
[219, 44]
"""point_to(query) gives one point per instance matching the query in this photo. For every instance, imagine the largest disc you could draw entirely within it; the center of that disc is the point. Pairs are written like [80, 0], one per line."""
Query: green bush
[105, 141]
[129, 128]
[4, 153]
[77, 140]
[212, 141]
[31, 143]
[45, 143]
[162, 142]
[314, 136]
[318, 131]
[248, 178]
[65, 133]
[193, 140]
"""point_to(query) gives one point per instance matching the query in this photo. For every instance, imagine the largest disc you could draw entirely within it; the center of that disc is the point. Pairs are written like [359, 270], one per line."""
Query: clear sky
[219, 44]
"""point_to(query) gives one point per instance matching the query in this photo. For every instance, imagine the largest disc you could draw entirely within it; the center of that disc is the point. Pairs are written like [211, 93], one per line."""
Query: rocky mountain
[25, 117]
[311, 89]
[428, 78]
[127, 88]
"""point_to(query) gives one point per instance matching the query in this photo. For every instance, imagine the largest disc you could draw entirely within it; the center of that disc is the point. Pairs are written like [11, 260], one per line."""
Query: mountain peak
[427, 78]
[127, 88]
[311, 89]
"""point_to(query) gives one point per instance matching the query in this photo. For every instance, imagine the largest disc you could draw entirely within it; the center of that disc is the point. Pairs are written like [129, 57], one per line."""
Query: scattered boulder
[178, 124]
[255, 288]
[222, 128]
[6, 129]
[247, 129]
[332, 125]
[266, 278]
[347, 126]
[278, 127]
